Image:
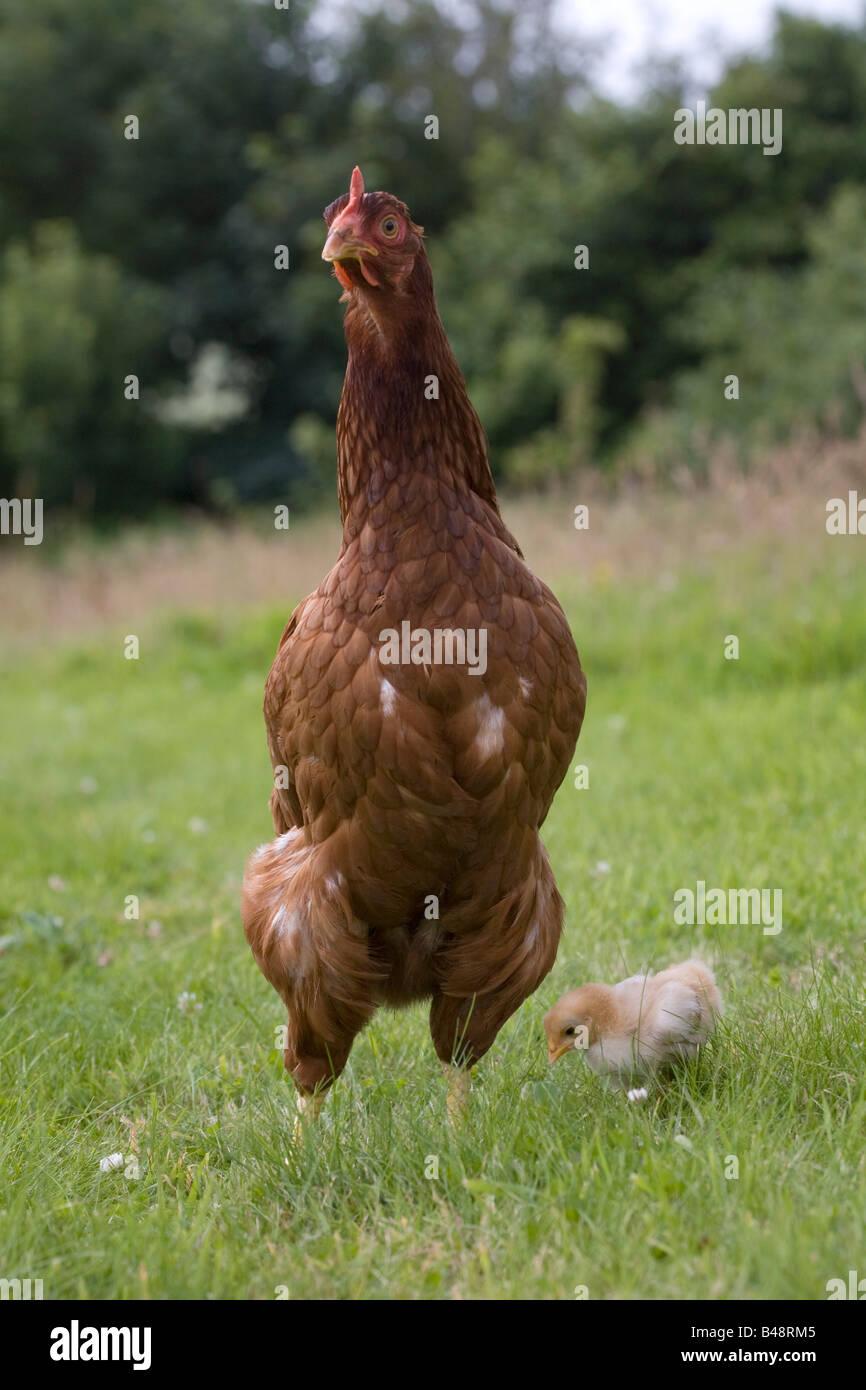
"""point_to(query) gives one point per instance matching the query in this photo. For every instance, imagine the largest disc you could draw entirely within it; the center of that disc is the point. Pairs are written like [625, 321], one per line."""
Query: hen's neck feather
[396, 343]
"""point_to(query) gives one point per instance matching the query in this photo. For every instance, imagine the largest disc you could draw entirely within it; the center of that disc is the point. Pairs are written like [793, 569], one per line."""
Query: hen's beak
[343, 245]
[554, 1053]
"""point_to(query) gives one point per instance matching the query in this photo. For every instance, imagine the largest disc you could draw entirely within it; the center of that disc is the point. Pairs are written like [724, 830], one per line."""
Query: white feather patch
[387, 697]
[491, 721]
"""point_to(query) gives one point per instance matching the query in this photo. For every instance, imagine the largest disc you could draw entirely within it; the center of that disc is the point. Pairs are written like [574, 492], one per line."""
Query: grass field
[150, 778]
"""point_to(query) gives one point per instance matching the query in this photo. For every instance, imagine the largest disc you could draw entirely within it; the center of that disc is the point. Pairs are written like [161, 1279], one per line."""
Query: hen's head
[372, 242]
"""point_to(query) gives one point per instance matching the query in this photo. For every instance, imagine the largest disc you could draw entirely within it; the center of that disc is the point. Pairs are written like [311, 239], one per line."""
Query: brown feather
[408, 782]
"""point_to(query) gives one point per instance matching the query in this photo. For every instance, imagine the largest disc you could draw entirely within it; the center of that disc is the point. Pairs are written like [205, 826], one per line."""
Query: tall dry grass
[637, 531]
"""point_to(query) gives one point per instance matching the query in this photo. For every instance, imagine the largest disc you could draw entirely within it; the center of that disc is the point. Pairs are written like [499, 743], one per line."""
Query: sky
[626, 33]
[702, 30]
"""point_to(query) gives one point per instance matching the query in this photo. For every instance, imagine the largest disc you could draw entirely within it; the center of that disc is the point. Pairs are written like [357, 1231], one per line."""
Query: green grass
[742, 773]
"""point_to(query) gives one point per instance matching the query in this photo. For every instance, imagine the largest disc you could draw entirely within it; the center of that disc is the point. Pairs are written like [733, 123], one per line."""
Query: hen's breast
[425, 701]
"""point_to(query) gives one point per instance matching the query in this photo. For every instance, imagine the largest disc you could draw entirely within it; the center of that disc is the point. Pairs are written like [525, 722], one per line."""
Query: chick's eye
[389, 226]
[569, 1032]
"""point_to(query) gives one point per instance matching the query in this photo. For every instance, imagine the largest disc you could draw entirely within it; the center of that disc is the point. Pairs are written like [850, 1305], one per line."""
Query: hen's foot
[457, 1097]
[308, 1111]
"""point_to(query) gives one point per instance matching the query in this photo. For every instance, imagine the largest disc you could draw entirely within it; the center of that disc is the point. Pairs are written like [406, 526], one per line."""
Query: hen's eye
[389, 226]
[569, 1032]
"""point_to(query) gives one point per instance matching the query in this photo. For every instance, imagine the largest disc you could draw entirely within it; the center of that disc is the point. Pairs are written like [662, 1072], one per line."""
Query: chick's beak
[557, 1050]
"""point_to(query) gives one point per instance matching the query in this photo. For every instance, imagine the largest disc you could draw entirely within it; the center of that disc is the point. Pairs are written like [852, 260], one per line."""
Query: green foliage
[796, 340]
[250, 121]
[71, 328]
[574, 361]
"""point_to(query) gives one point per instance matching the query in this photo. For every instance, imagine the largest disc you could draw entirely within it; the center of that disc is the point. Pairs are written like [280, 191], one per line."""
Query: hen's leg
[484, 974]
[321, 1031]
[312, 1073]
[457, 1094]
[308, 1109]
[314, 951]
[320, 1035]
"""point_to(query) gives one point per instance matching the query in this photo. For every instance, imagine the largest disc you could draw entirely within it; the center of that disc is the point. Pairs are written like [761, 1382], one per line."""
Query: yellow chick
[639, 1026]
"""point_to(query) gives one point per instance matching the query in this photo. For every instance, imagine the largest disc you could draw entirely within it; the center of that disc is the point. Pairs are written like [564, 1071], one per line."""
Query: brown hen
[421, 710]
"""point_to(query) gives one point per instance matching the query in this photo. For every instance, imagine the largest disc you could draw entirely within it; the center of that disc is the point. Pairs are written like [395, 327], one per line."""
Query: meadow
[743, 1176]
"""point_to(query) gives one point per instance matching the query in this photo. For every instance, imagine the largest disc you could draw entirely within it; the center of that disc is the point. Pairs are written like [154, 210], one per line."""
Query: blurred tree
[73, 328]
[795, 341]
[250, 120]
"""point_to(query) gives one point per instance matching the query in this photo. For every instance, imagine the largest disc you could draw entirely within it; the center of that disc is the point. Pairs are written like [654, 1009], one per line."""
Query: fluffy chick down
[638, 1027]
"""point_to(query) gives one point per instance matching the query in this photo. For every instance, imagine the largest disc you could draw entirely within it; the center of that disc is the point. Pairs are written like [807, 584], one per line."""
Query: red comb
[356, 191]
